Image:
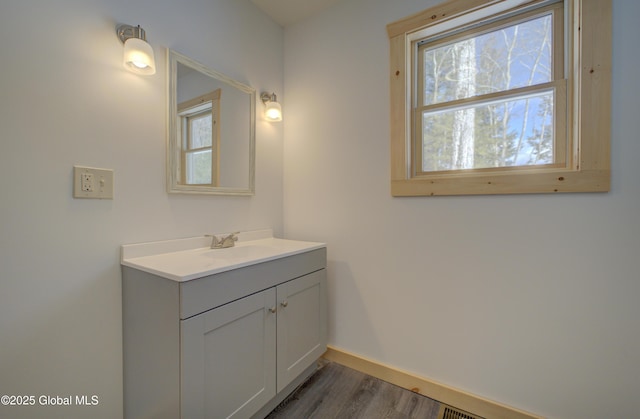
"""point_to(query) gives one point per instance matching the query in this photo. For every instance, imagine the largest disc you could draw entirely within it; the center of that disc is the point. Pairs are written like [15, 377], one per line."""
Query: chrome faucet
[224, 241]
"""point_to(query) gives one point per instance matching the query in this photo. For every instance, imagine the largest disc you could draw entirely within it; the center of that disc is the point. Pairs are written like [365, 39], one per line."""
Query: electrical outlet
[89, 182]
[86, 182]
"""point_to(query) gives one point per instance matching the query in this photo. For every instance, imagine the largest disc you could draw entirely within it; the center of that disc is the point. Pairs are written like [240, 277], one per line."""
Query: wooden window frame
[588, 60]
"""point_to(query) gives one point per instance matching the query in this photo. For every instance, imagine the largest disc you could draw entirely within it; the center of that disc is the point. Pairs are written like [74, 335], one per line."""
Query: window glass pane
[515, 56]
[509, 132]
[201, 131]
[198, 167]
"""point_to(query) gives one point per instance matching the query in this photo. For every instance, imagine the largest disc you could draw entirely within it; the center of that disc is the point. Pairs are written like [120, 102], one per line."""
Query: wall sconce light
[138, 54]
[273, 110]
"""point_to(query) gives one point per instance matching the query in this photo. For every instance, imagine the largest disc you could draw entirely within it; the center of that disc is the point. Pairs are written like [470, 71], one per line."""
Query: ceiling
[287, 12]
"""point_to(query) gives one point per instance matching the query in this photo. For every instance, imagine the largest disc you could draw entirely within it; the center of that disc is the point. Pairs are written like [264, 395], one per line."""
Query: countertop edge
[130, 262]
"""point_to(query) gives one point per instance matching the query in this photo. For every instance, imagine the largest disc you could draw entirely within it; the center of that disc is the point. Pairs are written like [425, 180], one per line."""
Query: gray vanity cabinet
[301, 325]
[228, 360]
[232, 344]
[237, 357]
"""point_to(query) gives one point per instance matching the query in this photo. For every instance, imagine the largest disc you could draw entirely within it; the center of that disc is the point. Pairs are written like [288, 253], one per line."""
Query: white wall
[65, 99]
[527, 300]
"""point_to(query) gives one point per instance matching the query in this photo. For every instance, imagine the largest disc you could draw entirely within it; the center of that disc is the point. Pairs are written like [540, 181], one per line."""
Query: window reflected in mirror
[199, 129]
[211, 144]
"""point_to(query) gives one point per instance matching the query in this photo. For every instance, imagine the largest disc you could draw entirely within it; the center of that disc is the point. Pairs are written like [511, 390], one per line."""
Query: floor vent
[450, 412]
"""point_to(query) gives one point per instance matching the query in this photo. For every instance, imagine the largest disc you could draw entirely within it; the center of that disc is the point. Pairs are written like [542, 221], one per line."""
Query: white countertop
[186, 259]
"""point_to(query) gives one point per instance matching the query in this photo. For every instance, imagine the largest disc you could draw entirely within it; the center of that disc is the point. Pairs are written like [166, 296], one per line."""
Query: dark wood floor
[337, 392]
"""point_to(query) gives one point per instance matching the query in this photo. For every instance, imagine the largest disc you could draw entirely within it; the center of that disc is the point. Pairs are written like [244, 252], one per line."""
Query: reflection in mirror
[211, 139]
[197, 127]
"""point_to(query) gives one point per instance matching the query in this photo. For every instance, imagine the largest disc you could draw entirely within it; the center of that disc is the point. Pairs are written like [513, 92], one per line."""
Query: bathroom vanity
[217, 333]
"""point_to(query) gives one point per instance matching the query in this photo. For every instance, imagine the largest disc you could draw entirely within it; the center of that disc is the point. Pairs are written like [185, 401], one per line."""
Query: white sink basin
[241, 251]
[187, 259]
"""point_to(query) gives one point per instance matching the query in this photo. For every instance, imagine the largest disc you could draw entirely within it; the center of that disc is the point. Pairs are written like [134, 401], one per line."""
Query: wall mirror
[211, 133]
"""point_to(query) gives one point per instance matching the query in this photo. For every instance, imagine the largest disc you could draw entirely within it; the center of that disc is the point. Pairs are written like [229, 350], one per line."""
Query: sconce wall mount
[273, 110]
[138, 54]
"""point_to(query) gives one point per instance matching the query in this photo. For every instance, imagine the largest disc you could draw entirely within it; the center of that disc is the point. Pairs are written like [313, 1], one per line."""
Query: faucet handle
[229, 241]
[214, 239]
[220, 242]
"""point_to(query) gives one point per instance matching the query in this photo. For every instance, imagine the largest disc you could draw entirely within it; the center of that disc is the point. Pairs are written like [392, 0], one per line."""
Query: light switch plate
[90, 182]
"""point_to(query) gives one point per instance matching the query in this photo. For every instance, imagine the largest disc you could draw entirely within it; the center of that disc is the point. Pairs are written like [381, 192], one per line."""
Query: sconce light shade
[138, 54]
[273, 110]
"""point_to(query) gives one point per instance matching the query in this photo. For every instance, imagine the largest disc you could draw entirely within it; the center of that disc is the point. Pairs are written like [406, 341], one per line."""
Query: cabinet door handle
[272, 310]
[284, 303]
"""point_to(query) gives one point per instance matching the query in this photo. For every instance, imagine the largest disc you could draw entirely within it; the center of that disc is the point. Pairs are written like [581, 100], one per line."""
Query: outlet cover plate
[92, 183]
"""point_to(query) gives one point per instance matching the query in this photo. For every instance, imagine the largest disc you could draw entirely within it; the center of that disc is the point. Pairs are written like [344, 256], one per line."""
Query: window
[493, 97]
[199, 130]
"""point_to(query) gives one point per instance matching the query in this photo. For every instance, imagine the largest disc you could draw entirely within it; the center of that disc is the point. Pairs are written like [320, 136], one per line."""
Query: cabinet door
[228, 359]
[302, 325]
